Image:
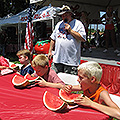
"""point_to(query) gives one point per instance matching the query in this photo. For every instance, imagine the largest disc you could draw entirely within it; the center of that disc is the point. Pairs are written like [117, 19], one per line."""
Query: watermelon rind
[71, 102]
[63, 106]
[20, 83]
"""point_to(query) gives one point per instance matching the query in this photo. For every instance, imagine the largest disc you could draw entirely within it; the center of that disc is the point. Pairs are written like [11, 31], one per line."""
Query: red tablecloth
[27, 104]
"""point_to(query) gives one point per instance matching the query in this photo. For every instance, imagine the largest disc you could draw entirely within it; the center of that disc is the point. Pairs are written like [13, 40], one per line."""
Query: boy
[24, 58]
[49, 77]
[96, 96]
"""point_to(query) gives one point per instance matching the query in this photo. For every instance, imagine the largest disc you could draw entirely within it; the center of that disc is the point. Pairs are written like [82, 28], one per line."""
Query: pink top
[53, 77]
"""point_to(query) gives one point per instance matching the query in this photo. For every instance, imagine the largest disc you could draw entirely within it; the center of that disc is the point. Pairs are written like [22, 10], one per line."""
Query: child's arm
[43, 83]
[69, 88]
[111, 110]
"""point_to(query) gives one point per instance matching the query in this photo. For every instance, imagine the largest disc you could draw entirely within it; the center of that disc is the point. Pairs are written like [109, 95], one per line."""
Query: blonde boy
[49, 77]
[96, 96]
[24, 58]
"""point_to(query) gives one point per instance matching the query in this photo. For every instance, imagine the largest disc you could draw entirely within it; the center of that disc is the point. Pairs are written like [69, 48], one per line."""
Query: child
[24, 58]
[96, 96]
[49, 77]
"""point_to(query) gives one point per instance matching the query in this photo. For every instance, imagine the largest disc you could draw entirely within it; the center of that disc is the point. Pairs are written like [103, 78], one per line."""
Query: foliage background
[12, 6]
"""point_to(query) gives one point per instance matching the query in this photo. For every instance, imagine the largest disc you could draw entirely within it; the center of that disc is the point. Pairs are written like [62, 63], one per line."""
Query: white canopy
[91, 6]
[44, 13]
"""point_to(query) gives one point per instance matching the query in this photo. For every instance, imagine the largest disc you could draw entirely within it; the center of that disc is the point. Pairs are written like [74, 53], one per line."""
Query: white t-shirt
[67, 48]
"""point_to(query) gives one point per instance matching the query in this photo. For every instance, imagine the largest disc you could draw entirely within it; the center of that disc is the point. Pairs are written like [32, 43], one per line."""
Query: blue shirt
[27, 69]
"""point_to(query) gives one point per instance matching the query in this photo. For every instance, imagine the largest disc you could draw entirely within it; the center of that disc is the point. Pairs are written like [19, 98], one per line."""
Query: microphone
[66, 21]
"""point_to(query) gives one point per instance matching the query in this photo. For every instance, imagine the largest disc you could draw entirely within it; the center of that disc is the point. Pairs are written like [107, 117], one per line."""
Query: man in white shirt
[67, 37]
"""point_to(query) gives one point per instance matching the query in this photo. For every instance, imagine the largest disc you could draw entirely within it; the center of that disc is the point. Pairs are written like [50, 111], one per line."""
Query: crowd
[110, 29]
[66, 38]
[110, 19]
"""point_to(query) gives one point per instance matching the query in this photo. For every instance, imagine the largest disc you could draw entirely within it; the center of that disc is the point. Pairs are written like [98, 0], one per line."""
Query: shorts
[59, 67]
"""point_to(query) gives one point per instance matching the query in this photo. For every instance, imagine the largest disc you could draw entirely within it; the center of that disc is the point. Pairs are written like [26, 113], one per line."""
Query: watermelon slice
[23, 81]
[30, 78]
[68, 97]
[52, 102]
[19, 81]
[14, 66]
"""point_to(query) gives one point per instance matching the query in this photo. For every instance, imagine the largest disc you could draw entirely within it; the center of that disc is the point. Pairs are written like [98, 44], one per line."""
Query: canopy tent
[101, 3]
[45, 13]
[91, 6]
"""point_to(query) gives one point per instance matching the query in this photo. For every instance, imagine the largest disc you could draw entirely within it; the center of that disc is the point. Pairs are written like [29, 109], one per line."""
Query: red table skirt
[27, 104]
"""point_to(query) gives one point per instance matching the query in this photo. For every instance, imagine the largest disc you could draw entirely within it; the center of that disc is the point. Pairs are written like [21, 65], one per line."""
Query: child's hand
[67, 88]
[42, 83]
[34, 75]
[85, 101]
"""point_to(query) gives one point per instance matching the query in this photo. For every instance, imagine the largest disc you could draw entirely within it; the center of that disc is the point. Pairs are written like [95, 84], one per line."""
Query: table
[27, 104]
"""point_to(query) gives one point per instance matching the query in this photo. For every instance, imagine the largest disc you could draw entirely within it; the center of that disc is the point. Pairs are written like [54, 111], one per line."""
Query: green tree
[12, 6]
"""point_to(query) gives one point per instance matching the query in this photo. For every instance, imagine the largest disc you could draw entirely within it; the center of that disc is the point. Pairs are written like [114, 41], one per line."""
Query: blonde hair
[90, 69]
[40, 60]
[24, 52]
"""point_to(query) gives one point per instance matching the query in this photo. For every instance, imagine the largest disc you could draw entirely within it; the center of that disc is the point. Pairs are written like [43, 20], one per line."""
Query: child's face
[22, 59]
[83, 80]
[40, 71]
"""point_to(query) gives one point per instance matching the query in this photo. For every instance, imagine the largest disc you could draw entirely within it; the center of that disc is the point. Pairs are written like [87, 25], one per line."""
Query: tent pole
[18, 36]
[52, 24]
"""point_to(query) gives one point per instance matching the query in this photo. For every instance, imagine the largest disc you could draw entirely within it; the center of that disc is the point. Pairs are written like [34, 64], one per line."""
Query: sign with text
[44, 13]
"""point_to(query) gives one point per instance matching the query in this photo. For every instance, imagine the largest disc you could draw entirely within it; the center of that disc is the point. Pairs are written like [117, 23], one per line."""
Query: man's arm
[52, 44]
[75, 34]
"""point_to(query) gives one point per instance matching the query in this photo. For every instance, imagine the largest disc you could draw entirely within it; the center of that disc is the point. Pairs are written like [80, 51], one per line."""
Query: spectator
[85, 20]
[97, 38]
[109, 28]
[67, 38]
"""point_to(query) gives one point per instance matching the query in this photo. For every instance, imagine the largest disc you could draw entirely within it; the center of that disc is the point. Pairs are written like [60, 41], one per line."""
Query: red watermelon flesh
[30, 78]
[13, 65]
[52, 102]
[68, 97]
[19, 81]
